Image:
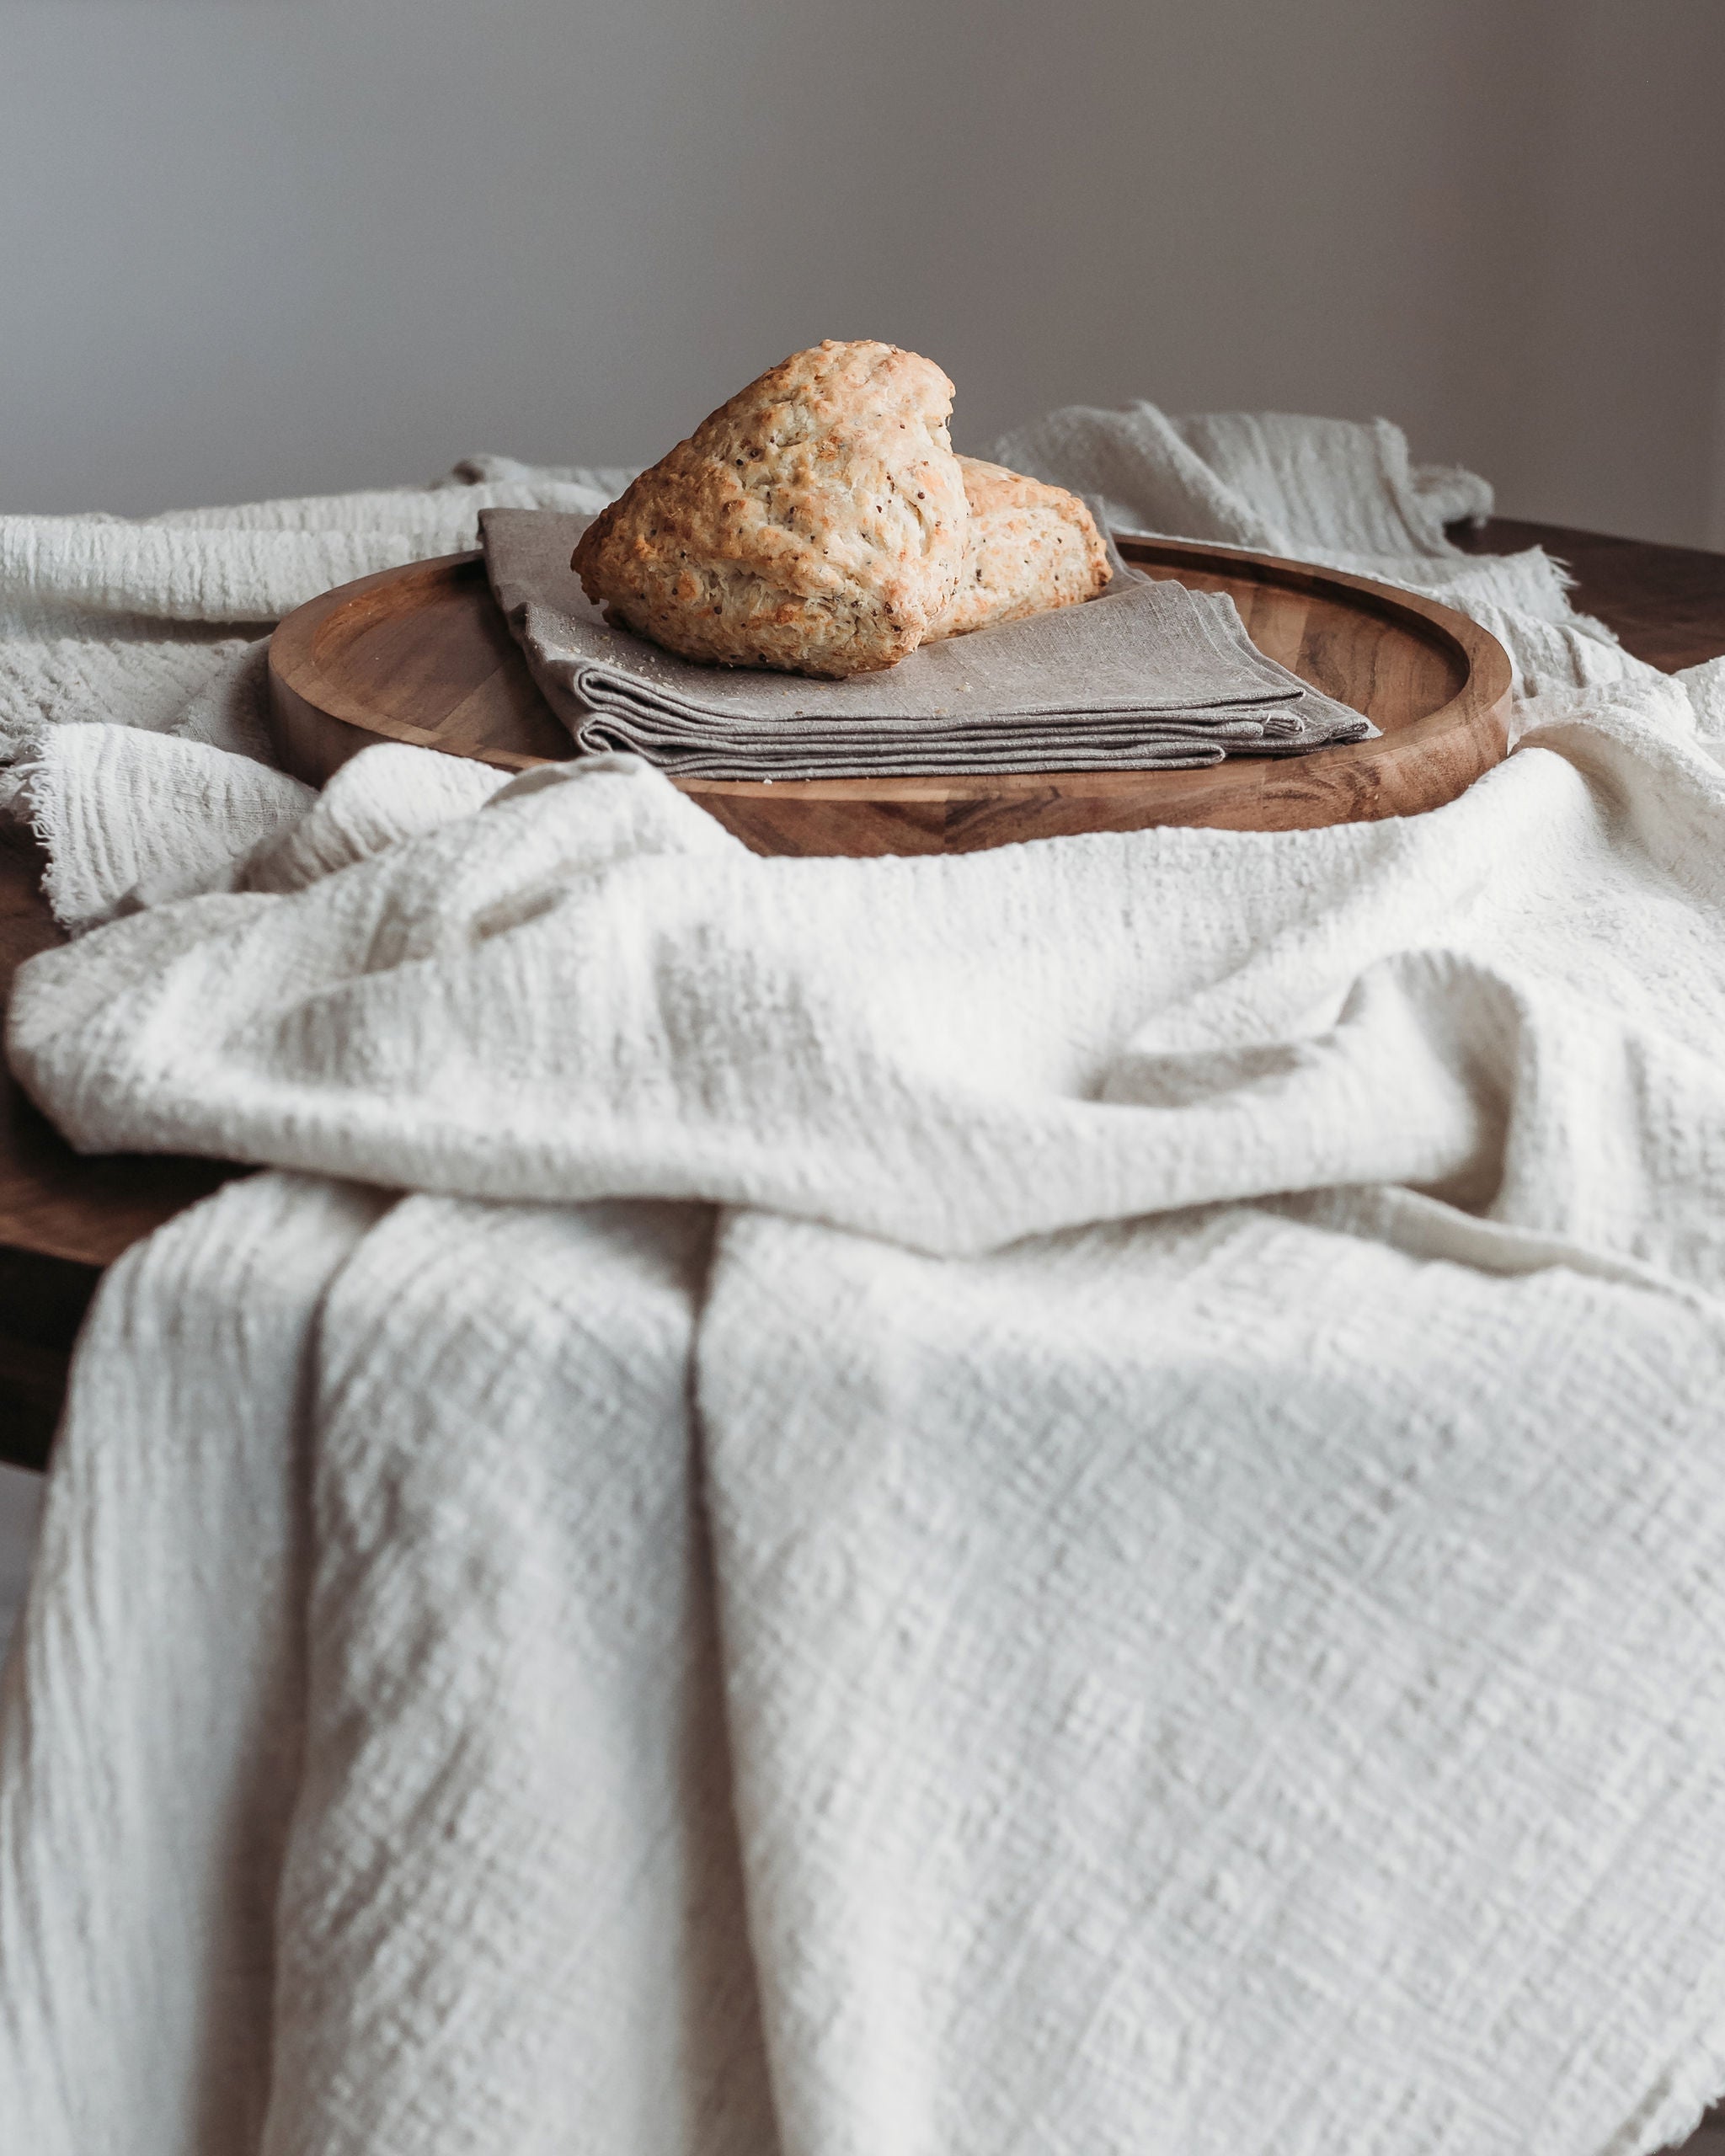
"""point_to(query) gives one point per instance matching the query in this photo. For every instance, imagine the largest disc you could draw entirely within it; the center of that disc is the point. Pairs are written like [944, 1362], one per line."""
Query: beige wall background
[256, 246]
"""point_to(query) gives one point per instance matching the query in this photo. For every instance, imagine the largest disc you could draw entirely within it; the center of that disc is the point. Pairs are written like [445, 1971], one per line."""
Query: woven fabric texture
[1069, 1498]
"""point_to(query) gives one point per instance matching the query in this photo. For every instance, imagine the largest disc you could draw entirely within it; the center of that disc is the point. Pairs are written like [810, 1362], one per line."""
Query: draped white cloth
[1152, 1578]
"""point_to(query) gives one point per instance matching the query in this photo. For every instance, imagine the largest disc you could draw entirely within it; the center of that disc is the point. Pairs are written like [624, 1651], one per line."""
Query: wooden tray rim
[1483, 695]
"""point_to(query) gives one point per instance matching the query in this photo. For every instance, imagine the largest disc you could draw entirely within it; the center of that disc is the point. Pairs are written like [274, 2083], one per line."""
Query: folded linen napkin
[1148, 675]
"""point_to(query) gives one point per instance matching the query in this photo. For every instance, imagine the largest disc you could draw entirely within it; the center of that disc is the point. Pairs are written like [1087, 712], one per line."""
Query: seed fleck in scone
[1031, 548]
[816, 523]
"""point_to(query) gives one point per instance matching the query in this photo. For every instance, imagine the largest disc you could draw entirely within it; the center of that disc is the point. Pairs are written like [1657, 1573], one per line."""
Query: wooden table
[62, 1219]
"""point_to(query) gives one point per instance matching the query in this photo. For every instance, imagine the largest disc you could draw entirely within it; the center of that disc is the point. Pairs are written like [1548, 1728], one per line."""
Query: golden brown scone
[1032, 547]
[815, 523]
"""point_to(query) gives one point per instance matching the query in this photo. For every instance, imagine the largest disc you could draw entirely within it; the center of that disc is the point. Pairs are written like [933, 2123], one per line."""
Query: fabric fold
[587, 988]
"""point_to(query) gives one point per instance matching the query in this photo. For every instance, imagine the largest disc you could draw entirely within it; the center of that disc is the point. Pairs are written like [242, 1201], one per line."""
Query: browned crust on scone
[1032, 547]
[816, 522]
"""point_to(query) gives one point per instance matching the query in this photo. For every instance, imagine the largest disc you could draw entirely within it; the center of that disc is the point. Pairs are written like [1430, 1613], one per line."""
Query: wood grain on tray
[422, 655]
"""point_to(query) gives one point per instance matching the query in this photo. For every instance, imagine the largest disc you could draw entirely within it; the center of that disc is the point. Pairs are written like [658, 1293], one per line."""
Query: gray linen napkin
[1148, 675]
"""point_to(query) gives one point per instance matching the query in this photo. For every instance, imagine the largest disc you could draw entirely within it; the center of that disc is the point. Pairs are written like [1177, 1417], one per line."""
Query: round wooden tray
[422, 655]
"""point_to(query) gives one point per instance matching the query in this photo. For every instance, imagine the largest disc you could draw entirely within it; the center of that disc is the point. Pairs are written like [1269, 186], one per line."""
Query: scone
[1031, 548]
[816, 523]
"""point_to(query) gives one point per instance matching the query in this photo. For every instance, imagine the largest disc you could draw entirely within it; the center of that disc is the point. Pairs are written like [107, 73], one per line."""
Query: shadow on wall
[253, 250]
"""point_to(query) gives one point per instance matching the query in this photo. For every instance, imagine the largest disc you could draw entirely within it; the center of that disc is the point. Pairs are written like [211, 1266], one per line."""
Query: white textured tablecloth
[1152, 1578]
